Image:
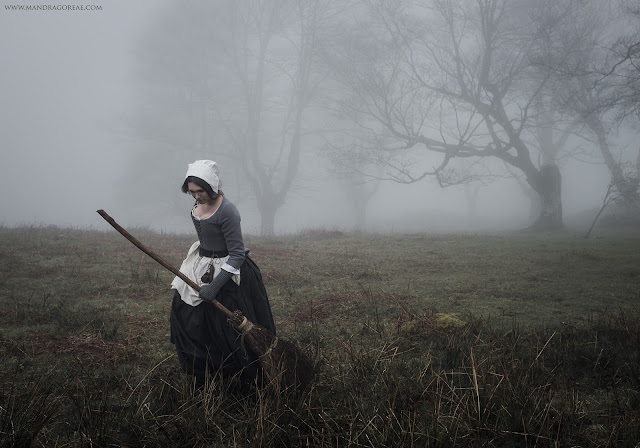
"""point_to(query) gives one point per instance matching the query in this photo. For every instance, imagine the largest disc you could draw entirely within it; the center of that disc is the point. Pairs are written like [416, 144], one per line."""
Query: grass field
[418, 340]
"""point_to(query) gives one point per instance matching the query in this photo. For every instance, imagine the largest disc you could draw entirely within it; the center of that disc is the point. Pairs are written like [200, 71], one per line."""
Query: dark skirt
[207, 344]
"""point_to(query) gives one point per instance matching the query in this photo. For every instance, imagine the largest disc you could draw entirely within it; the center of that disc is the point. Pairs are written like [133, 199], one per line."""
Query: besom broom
[283, 364]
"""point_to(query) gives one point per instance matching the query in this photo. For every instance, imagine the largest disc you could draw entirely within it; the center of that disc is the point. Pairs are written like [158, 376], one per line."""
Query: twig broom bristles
[284, 365]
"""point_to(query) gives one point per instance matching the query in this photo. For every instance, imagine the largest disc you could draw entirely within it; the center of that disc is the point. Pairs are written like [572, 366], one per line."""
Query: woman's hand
[211, 290]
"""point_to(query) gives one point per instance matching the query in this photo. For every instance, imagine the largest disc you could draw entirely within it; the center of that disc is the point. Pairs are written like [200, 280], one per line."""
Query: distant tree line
[461, 91]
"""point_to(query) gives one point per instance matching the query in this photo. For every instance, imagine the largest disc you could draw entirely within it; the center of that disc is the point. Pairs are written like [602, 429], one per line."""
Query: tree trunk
[627, 187]
[548, 187]
[267, 220]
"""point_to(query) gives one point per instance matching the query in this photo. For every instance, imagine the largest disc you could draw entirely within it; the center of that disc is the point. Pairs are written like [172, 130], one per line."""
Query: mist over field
[65, 86]
[453, 187]
[77, 135]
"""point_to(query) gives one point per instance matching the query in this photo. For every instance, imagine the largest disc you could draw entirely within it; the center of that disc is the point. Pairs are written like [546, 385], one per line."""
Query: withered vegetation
[416, 340]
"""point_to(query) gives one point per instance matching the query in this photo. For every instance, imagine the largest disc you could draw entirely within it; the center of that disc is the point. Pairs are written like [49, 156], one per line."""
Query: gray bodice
[222, 232]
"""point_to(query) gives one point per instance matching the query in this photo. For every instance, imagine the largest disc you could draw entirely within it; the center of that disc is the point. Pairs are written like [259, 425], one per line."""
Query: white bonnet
[207, 170]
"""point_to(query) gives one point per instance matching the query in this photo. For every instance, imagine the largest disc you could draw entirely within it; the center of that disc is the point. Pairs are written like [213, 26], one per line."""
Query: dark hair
[202, 184]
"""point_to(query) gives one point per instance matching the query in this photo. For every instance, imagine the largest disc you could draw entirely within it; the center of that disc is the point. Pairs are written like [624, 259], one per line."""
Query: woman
[219, 262]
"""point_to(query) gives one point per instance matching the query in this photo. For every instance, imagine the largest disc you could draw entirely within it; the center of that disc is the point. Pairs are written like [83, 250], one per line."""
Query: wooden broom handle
[160, 260]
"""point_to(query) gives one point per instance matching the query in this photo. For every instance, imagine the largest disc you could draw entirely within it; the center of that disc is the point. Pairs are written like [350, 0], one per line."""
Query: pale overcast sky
[65, 79]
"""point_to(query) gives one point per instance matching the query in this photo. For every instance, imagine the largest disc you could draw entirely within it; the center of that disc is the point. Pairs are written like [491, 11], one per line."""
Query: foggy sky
[66, 85]
[65, 82]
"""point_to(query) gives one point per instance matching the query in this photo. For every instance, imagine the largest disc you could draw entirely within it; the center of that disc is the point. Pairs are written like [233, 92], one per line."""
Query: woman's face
[199, 194]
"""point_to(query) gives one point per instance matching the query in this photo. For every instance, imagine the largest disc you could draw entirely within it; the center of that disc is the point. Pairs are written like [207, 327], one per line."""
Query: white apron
[194, 267]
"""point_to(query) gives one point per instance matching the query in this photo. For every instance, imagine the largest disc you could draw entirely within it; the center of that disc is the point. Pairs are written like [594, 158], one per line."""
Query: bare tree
[270, 52]
[610, 197]
[620, 71]
[354, 177]
[595, 83]
[461, 79]
[622, 76]
[231, 80]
